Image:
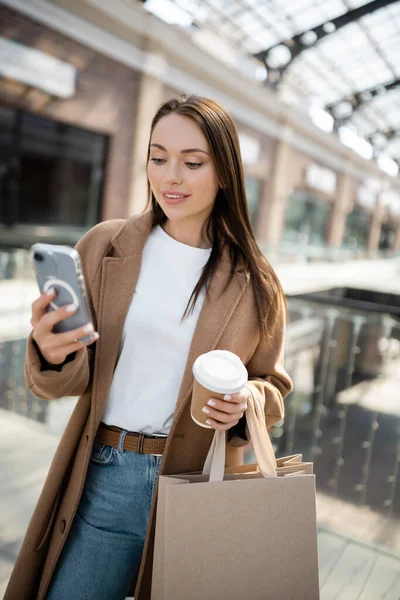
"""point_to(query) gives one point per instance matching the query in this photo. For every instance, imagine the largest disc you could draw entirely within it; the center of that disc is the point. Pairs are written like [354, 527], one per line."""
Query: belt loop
[121, 440]
[141, 443]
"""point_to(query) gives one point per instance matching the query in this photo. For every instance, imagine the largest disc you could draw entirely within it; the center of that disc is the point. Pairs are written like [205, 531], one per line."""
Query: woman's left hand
[224, 414]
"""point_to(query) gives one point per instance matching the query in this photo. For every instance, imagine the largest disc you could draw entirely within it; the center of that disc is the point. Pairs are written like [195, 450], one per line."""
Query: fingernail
[206, 410]
[96, 335]
[208, 422]
[211, 403]
[71, 307]
[227, 397]
[88, 328]
[50, 291]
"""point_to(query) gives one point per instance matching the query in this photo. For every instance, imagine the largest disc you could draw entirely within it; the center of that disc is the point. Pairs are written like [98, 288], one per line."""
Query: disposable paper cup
[216, 373]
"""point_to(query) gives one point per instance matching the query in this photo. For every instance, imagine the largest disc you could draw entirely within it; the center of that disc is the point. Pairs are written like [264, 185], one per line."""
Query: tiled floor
[26, 449]
[354, 571]
[349, 570]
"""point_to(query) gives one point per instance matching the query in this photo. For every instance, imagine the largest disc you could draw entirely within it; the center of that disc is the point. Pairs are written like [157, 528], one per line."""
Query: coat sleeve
[268, 381]
[72, 377]
[47, 383]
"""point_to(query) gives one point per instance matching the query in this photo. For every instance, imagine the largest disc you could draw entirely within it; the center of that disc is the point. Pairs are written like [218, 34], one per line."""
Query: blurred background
[314, 88]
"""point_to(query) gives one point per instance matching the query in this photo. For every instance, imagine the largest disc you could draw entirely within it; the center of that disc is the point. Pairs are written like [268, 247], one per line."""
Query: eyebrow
[186, 151]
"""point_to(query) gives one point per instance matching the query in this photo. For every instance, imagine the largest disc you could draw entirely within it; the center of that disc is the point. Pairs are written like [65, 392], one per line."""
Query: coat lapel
[119, 279]
[216, 312]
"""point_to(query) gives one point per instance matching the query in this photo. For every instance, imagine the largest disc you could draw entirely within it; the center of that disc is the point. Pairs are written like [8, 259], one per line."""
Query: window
[50, 173]
[387, 236]
[357, 229]
[307, 217]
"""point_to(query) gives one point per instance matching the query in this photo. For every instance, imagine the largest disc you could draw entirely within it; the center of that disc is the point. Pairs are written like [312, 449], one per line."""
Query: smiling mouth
[174, 198]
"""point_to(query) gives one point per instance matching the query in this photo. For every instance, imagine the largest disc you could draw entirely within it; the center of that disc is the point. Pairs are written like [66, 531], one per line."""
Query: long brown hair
[229, 222]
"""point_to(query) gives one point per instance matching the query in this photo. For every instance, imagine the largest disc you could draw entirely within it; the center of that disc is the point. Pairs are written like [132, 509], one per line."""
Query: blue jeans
[104, 547]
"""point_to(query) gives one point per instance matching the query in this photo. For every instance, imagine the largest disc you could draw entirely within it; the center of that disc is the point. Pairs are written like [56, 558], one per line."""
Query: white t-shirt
[155, 343]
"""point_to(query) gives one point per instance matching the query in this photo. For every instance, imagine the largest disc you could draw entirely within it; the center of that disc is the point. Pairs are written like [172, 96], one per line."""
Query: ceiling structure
[345, 54]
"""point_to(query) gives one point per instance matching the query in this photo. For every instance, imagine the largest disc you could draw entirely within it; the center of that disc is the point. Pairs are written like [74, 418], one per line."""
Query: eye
[158, 161]
[193, 165]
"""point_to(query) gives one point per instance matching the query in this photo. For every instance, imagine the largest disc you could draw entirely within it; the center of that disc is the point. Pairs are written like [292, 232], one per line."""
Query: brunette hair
[229, 222]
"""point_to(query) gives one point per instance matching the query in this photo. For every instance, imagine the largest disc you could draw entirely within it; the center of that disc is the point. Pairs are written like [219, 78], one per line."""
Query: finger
[220, 416]
[53, 317]
[237, 398]
[69, 337]
[57, 355]
[221, 426]
[76, 346]
[40, 304]
[226, 407]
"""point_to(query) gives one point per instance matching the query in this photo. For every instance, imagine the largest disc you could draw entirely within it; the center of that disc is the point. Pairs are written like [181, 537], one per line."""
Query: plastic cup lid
[220, 371]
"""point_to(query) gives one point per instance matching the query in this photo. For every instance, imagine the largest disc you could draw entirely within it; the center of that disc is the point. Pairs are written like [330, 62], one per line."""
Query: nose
[173, 173]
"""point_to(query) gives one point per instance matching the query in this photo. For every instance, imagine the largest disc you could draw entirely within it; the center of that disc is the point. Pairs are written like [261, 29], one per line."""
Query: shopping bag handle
[214, 465]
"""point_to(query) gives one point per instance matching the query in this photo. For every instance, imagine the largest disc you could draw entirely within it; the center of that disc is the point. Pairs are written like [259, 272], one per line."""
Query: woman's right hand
[55, 347]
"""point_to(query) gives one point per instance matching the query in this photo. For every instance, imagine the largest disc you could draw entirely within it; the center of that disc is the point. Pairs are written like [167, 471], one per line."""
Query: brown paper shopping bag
[238, 533]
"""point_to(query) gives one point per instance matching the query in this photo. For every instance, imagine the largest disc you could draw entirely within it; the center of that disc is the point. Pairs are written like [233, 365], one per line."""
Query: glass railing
[17, 290]
[301, 250]
[344, 412]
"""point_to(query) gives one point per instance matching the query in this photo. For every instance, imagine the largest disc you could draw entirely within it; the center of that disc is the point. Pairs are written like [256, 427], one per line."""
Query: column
[151, 95]
[340, 209]
[375, 227]
[275, 195]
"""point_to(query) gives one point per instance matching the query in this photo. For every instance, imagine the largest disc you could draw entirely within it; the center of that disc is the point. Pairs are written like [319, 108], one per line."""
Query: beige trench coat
[111, 256]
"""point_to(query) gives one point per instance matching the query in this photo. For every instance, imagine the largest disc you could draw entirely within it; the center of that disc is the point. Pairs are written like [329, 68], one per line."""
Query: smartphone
[59, 267]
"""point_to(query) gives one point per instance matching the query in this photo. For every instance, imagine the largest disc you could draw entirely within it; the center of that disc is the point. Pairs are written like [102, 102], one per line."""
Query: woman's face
[181, 171]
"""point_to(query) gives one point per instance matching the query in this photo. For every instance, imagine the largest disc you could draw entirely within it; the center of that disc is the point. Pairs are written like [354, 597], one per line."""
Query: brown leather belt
[135, 442]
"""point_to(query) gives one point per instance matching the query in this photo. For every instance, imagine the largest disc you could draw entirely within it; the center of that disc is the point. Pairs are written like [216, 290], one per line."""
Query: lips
[174, 198]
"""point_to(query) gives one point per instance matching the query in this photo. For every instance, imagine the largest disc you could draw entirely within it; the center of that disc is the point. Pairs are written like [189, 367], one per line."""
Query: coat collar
[131, 237]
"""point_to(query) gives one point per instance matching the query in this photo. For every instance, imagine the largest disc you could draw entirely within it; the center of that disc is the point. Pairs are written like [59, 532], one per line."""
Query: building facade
[67, 162]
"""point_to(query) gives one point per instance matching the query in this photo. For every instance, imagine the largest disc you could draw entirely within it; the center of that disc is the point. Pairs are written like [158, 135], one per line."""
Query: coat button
[63, 525]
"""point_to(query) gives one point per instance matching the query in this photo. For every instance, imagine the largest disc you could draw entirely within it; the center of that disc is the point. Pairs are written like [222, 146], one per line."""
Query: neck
[187, 233]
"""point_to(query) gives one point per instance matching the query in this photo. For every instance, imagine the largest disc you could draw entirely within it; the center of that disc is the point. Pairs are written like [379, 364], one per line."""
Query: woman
[184, 277]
